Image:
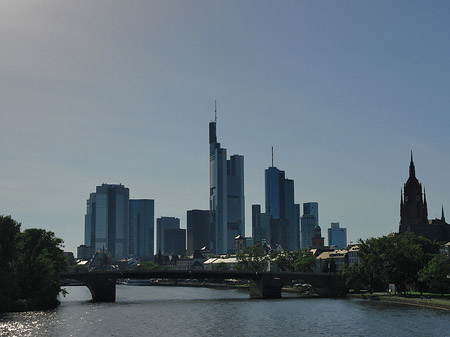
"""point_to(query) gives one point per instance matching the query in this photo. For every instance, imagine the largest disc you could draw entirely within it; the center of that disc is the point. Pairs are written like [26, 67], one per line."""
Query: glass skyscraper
[142, 227]
[226, 195]
[107, 220]
[337, 236]
[280, 204]
[162, 224]
[309, 221]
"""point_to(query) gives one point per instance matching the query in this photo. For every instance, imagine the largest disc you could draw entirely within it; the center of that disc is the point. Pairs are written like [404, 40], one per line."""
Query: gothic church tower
[413, 204]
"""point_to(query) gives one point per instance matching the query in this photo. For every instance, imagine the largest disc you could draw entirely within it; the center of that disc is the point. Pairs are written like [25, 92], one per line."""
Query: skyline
[107, 92]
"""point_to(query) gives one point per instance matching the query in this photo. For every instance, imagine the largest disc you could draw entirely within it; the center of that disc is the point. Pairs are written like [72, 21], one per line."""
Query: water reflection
[163, 311]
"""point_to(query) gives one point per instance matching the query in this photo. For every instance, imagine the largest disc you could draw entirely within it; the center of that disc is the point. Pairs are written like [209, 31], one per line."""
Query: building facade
[414, 211]
[107, 220]
[198, 230]
[309, 221]
[162, 224]
[337, 236]
[279, 197]
[142, 227]
[175, 241]
[226, 195]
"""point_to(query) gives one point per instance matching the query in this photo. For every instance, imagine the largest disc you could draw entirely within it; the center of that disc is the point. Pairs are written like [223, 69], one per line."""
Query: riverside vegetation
[410, 262]
[29, 265]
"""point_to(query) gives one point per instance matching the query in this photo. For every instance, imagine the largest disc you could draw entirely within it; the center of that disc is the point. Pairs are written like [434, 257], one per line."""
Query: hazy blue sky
[96, 92]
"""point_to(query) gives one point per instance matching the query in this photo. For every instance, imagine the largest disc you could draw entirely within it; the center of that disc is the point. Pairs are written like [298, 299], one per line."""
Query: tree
[305, 261]
[252, 259]
[147, 266]
[221, 266]
[436, 274]
[9, 231]
[39, 262]
[352, 276]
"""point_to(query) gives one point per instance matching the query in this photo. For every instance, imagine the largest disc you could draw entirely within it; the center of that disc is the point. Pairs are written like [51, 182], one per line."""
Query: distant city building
[318, 241]
[337, 236]
[85, 252]
[279, 196]
[239, 243]
[107, 220]
[235, 200]
[142, 227]
[162, 224]
[280, 233]
[261, 226]
[175, 241]
[309, 221]
[198, 230]
[226, 195]
[414, 211]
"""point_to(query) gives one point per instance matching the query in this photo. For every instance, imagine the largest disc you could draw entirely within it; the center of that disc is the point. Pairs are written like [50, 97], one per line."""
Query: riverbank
[426, 301]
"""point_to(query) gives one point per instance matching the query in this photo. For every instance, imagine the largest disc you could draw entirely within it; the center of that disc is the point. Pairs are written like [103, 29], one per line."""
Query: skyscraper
[175, 241]
[226, 195]
[142, 227]
[337, 236]
[107, 220]
[280, 205]
[198, 230]
[235, 200]
[309, 221]
[162, 224]
[261, 226]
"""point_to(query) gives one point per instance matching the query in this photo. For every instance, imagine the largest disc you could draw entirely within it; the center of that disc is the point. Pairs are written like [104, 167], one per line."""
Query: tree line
[30, 261]
[408, 261]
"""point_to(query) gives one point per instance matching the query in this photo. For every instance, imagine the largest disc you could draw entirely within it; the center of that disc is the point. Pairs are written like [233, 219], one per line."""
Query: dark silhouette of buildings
[414, 211]
[198, 230]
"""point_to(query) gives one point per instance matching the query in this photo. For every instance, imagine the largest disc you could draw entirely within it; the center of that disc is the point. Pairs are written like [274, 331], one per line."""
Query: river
[181, 311]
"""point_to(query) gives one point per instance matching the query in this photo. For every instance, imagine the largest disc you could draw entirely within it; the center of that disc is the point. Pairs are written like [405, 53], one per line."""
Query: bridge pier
[103, 288]
[266, 287]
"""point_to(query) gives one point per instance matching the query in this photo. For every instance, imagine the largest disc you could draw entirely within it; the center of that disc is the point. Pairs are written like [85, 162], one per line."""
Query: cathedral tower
[413, 204]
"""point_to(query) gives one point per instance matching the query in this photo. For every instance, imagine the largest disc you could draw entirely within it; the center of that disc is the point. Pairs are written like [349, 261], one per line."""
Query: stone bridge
[102, 284]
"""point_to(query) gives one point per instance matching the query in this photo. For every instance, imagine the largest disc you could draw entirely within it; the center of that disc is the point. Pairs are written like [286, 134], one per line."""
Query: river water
[181, 311]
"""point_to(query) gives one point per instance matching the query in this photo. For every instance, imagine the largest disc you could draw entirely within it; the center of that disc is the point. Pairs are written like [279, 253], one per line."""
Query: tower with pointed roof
[413, 203]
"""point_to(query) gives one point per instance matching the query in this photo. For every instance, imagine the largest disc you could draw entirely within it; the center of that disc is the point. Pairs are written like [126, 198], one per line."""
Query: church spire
[412, 169]
[442, 214]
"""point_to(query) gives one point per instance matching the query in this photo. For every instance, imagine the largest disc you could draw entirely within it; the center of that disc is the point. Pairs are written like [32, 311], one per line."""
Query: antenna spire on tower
[215, 111]
[272, 156]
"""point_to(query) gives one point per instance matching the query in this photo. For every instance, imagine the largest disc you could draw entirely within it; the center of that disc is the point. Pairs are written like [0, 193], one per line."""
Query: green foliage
[394, 259]
[146, 266]
[252, 259]
[9, 231]
[30, 262]
[222, 266]
[352, 276]
[298, 261]
[436, 274]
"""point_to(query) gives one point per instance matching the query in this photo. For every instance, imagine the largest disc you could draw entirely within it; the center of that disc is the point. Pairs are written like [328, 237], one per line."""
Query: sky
[96, 92]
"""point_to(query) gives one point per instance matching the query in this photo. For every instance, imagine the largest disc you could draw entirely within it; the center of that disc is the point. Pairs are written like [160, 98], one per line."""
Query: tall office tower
[107, 220]
[175, 241]
[256, 210]
[280, 204]
[162, 224]
[226, 185]
[309, 221]
[142, 227]
[198, 230]
[260, 226]
[337, 236]
[235, 200]
[89, 223]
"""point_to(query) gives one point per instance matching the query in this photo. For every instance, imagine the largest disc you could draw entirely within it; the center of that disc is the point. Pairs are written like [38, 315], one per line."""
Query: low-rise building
[353, 255]
[340, 258]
